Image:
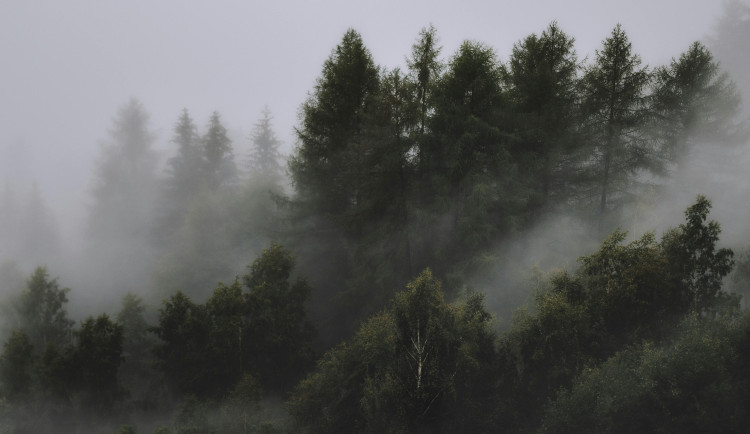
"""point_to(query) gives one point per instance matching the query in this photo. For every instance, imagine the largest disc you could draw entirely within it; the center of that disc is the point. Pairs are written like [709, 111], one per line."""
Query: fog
[74, 74]
[69, 66]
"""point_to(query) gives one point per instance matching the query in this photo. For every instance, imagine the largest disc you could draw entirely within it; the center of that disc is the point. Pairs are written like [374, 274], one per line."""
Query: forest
[387, 276]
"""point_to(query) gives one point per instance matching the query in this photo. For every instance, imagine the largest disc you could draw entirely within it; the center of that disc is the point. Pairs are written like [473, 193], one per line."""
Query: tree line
[403, 184]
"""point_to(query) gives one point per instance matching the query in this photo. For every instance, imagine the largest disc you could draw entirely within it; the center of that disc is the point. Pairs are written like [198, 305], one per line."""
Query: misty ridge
[541, 243]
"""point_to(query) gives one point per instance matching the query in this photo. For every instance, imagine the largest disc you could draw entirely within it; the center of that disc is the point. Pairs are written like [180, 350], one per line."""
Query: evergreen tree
[616, 112]
[695, 102]
[265, 166]
[542, 89]
[730, 37]
[331, 124]
[425, 69]
[217, 153]
[328, 175]
[183, 328]
[184, 176]
[279, 335]
[16, 366]
[137, 370]
[96, 357]
[125, 179]
[466, 183]
[121, 218]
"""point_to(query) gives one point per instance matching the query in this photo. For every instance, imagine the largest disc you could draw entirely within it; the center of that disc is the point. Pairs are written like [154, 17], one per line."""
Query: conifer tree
[616, 113]
[265, 166]
[695, 102]
[218, 161]
[542, 79]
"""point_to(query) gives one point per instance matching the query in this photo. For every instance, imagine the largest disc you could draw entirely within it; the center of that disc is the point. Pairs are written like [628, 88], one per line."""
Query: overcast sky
[67, 65]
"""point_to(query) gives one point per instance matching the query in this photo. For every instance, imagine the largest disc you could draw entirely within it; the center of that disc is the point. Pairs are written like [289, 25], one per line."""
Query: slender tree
[264, 162]
[331, 124]
[542, 78]
[125, 179]
[695, 102]
[425, 68]
[616, 109]
[217, 153]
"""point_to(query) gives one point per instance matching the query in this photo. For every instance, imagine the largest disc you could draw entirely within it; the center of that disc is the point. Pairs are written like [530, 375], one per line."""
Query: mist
[167, 163]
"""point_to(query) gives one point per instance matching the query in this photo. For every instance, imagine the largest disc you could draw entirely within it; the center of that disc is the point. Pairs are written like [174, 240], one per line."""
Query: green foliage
[192, 417]
[97, 357]
[425, 68]
[206, 349]
[42, 311]
[623, 294]
[694, 259]
[542, 82]
[137, 371]
[467, 191]
[331, 123]
[126, 429]
[616, 113]
[689, 385]
[695, 102]
[16, 365]
[183, 330]
[279, 336]
[420, 367]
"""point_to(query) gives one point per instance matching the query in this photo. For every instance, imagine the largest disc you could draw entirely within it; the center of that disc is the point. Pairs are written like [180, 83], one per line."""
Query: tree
[328, 174]
[227, 334]
[623, 295]
[16, 365]
[42, 311]
[695, 261]
[386, 250]
[184, 173]
[466, 186]
[730, 37]
[425, 68]
[138, 343]
[217, 153]
[97, 357]
[695, 102]
[691, 384]
[419, 367]
[125, 178]
[182, 357]
[331, 123]
[264, 155]
[121, 218]
[616, 112]
[542, 85]
[278, 343]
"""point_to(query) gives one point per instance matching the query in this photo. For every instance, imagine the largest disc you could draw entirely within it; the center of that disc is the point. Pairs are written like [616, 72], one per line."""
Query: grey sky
[67, 65]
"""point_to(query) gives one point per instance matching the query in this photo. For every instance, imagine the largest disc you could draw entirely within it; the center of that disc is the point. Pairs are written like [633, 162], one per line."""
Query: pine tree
[184, 169]
[331, 125]
[125, 178]
[217, 153]
[265, 166]
[425, 68]
[616, 111]
[695, 102]
[542, 79]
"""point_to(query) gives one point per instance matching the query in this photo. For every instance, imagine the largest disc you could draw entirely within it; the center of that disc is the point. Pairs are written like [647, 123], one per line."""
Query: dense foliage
[403, 186]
